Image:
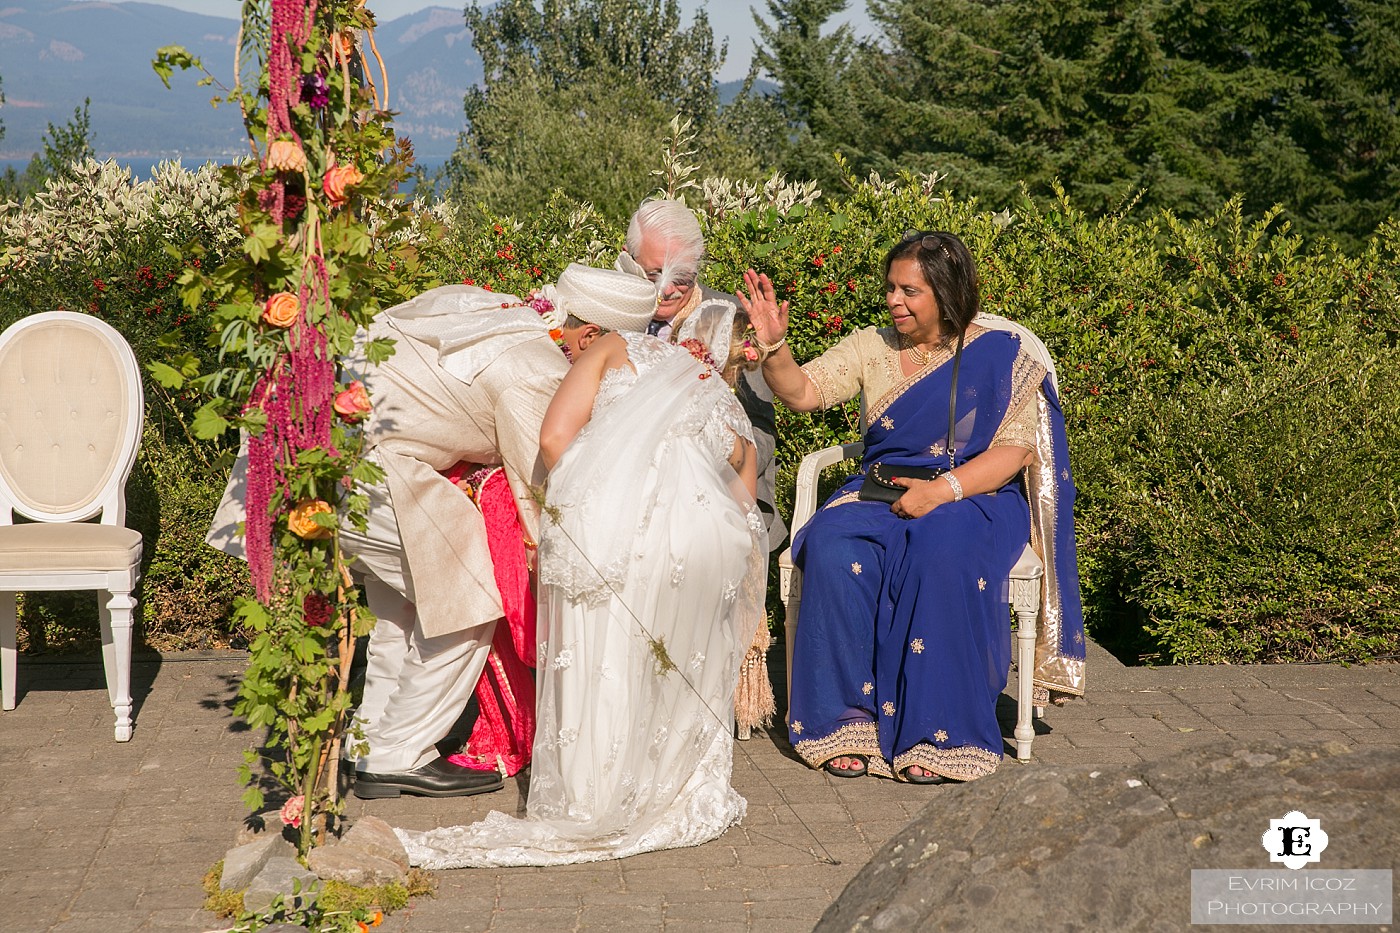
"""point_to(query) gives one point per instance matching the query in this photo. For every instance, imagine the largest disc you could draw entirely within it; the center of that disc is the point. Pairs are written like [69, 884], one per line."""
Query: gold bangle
[770, 347]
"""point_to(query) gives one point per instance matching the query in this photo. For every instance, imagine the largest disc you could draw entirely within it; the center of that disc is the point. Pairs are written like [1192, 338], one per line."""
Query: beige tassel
[754, 705]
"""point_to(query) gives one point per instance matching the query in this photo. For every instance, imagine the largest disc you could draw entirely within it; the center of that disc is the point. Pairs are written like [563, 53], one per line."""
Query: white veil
[652, 564]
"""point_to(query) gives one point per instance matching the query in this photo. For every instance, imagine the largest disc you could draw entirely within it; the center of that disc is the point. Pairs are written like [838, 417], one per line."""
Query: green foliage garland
[320, 223]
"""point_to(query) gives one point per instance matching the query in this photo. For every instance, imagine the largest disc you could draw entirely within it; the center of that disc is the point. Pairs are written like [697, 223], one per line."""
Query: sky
[729, 19]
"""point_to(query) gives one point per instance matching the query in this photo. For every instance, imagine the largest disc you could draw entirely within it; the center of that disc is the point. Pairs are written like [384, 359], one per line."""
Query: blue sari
[904, 641]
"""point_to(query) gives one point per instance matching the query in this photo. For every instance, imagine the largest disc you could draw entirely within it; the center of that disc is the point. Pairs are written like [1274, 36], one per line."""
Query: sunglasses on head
[929, 241]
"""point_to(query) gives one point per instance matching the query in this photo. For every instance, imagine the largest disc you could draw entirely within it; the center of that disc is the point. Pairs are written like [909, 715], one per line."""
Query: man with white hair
[470, 379]
[666, 246]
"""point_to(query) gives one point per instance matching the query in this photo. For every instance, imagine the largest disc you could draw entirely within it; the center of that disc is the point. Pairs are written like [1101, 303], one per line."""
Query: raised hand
[768, 316]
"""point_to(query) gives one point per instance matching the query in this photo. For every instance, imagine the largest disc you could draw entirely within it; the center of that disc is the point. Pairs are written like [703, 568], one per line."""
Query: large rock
[338, 863]
[284, 876]
[373, 836]
[1078, 848]
[242, 863]
[369, 854]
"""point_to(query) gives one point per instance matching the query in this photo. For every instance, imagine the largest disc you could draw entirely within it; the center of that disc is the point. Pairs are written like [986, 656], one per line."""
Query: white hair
[675, 223]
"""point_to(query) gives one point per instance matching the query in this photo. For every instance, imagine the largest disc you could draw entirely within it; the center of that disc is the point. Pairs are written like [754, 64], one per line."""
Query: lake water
[141, 168]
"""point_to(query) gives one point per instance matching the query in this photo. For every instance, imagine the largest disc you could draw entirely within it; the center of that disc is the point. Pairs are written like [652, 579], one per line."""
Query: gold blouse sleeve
[836, 374]
[1018, 425]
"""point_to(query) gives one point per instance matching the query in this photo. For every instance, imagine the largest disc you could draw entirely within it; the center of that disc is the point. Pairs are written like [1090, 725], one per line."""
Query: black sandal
[834, 771]
[926, 777]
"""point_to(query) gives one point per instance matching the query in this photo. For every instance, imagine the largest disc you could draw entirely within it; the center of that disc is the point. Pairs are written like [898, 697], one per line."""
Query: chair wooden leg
[116, 658]
[1025, 670]
[109, 648]
[1025, 600]
[7, 649]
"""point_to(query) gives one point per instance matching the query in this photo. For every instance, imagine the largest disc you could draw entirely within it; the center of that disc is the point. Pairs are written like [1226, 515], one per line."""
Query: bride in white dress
[652, 570]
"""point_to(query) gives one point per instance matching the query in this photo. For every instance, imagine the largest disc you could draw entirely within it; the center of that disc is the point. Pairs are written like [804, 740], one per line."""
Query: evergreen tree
[1184, 102]
[810, 69]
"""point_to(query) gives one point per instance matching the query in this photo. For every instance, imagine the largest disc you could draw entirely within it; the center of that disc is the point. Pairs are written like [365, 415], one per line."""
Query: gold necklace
[919, 358]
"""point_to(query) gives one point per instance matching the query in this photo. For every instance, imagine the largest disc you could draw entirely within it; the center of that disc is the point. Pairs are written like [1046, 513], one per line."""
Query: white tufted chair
[71, 411]
[1025, 577]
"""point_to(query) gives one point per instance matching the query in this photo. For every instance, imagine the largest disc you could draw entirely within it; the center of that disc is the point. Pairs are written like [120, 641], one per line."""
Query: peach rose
[284, 155]
[292, 811]
[339, 179]
[281, 309]
[352, 403]
[302, 519]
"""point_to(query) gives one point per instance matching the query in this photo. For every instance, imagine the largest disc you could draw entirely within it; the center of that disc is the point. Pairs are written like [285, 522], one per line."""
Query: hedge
[1230, 390]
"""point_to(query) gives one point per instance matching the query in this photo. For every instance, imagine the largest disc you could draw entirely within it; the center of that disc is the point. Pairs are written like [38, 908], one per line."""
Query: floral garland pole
[319, 215]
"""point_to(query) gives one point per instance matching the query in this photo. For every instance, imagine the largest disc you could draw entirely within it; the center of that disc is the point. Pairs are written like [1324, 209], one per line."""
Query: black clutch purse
[877, 485]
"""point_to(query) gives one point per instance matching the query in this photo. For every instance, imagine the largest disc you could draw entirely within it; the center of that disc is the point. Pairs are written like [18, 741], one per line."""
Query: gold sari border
[964, 763]
[854, 738]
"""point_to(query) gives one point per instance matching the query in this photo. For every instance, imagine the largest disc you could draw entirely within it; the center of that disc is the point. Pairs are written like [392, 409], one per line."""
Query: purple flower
[315, 91]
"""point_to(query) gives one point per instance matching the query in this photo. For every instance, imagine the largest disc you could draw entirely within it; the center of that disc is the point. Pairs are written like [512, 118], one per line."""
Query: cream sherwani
[468, 381]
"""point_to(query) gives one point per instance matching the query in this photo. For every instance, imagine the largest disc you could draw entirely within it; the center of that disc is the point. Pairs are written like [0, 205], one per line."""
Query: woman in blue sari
[904, 641]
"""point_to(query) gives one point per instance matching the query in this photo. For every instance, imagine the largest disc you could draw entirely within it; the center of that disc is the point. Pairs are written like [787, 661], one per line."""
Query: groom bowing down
[470, 379]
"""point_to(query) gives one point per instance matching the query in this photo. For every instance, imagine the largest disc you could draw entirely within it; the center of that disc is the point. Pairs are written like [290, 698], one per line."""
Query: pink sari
[505, 729]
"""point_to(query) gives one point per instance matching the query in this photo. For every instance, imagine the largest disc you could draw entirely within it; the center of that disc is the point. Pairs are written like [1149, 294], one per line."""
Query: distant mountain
[431, 64]
[53, 54]
[728, 90]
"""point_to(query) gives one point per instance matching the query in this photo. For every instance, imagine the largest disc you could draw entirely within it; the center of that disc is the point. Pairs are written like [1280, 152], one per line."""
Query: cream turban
[613, 300]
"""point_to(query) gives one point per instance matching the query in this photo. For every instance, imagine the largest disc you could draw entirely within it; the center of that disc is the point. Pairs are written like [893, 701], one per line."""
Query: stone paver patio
[101, 836]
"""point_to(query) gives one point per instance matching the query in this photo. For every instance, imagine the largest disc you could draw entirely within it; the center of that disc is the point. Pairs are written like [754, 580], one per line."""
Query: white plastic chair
[71, 411]
[1025, 577]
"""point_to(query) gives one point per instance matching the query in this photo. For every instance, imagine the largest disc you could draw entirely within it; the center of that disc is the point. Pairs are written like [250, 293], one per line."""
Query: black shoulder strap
[953, 400]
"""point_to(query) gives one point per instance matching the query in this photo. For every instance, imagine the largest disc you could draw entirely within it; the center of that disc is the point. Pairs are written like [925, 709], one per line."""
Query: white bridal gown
[652, 565]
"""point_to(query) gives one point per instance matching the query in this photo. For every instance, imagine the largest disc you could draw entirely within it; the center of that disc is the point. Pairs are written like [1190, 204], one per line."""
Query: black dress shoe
[437, 778]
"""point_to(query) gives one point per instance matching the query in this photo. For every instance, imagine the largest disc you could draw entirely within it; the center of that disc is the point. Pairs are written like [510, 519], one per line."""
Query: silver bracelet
[770, 347]
[957, 486]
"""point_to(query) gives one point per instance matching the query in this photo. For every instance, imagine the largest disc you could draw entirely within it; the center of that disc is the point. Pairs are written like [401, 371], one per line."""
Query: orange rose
[302, 519]
[281, 309]
[284, 155]
[339, 179]
[352, 403]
